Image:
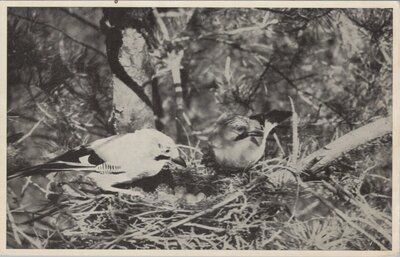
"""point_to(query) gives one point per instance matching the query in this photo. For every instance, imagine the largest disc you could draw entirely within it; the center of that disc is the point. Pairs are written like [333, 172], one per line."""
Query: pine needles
[268, 207]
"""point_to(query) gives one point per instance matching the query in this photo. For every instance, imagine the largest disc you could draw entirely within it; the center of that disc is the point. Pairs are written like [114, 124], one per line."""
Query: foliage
[334, 63]
[54, 80]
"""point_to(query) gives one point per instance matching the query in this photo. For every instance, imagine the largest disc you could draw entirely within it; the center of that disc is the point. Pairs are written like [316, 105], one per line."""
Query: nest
[265, 207]
[271, 206]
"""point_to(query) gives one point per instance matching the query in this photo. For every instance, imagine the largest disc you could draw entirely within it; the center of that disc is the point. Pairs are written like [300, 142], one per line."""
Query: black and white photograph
[168, 127]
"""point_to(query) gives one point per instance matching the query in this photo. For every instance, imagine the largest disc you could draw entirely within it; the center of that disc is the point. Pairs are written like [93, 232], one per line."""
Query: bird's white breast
[239, 154]
[133, 152]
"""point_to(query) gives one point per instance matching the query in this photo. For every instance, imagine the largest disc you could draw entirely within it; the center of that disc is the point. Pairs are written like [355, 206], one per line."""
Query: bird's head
[163, 148]
[234, 128]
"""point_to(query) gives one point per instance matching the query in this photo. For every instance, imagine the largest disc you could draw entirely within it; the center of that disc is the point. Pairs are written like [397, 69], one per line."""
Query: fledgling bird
[115, 160]
[238, 142]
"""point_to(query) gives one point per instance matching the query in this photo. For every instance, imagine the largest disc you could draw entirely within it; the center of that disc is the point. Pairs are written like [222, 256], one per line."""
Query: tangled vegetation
[334, 64]
[271, 206]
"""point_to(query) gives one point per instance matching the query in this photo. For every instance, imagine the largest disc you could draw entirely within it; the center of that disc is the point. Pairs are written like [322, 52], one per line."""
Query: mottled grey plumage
[238, 142]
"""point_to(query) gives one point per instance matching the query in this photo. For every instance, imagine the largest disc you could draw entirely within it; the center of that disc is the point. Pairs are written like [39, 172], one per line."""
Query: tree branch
[114, 43]
[157, 104]
[321, 158]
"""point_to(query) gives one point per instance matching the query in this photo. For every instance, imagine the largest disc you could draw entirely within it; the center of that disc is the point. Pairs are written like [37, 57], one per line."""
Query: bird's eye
[240, 129]
[167, 151]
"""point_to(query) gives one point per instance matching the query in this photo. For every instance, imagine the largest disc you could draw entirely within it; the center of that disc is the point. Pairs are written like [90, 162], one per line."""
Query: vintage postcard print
[200, 128]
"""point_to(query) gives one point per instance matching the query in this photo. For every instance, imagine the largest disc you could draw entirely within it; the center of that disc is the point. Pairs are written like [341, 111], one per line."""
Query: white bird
[115, 160]
[238, 142]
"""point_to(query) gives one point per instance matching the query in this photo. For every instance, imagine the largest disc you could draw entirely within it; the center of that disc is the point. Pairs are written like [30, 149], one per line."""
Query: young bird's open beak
[180, 161]
[253, 133]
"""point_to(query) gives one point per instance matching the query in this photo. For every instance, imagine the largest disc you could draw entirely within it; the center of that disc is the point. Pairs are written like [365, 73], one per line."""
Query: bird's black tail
[49, 167]
[274, 116]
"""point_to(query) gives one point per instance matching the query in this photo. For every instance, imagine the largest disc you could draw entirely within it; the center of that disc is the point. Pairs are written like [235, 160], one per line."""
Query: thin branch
[79, 18]
[296, 143]
[13, 226]
[161, 24]
[30, 131]
[245, 29]
[218, 230]
[291, 83]
[34, 242]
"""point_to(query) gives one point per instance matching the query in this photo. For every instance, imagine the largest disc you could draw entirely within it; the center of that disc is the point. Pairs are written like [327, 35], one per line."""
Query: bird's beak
[255, 133]
[180, 161]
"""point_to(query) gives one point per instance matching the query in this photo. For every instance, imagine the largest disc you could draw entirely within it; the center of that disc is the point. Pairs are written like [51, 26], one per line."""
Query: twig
[13, 226]
[218, 230]
[260, 26]
[48, 115]
[378, 196]
[278, 142]
[380, 177]
[30, 131]
[161, 24]
[293, 85]
[296, 143]
[79, 18]
[196, 149]
[30, 239]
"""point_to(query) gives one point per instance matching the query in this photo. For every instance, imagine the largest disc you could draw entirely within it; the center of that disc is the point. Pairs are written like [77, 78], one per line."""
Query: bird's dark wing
[75, 155]
[274, 116]
[68, 161]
